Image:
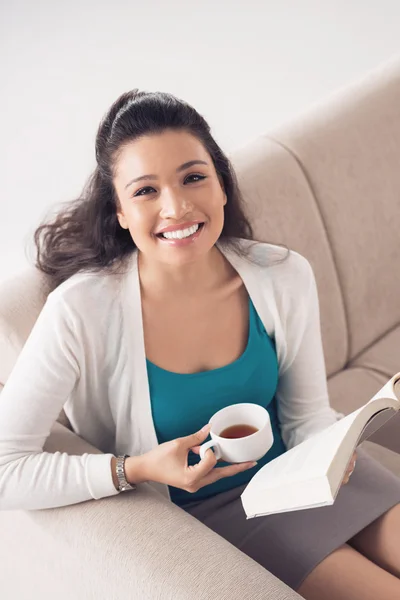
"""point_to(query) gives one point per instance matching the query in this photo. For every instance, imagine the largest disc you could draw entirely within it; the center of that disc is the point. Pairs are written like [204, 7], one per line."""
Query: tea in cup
[240, 433]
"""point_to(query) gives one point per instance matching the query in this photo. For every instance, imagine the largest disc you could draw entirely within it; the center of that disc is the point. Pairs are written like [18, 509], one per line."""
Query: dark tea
[237, 431]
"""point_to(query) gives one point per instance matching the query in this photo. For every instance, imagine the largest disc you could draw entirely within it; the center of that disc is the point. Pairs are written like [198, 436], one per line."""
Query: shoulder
[283, 268]
[86, 292]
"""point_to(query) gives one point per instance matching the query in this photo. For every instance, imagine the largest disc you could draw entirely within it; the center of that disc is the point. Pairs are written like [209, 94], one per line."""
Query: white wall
[245, 65]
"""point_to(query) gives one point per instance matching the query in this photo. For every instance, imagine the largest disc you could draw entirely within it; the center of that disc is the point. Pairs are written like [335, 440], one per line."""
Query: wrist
[134, 470]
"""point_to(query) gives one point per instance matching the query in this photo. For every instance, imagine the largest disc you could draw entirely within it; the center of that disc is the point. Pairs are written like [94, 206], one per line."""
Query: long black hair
[86, 234]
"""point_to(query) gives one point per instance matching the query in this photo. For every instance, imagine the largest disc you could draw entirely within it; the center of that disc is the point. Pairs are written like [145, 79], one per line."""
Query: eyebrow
[185, 165]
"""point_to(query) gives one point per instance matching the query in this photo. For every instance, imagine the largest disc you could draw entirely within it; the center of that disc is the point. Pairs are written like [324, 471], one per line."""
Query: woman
[163, 311]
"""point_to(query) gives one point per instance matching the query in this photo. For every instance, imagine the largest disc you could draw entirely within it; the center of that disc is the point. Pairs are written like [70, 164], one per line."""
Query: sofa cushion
[383, 356]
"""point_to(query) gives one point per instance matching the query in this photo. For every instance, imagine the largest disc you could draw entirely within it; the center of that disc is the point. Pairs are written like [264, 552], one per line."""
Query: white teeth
[182, 233]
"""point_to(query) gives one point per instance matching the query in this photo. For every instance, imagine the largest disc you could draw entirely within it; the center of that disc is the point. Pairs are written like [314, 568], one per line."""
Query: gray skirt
[290, 545]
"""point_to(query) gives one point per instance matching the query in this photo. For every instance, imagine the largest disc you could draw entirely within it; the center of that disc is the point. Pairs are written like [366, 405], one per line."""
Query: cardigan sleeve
[302, 393]
[43, 377]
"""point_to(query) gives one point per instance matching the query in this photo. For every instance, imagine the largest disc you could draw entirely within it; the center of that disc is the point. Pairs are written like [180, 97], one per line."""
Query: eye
[199, 178]
[138, 193]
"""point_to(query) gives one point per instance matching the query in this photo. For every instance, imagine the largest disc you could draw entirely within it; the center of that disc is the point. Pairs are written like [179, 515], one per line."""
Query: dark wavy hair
[86, 234]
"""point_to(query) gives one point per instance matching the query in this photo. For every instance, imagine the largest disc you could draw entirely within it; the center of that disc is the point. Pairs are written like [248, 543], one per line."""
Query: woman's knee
[379, 541]
[345, 573]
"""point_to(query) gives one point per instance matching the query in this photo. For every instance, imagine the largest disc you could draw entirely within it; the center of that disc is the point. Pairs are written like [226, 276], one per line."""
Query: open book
[311, 473]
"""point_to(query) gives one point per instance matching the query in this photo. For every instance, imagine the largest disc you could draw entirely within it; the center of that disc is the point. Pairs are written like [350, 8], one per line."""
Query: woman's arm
[43, 377]
[302, 394]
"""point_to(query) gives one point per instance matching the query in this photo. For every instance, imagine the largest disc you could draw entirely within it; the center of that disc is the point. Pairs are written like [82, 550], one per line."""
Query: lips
[168, 229]
[182, 241]
[186, 225]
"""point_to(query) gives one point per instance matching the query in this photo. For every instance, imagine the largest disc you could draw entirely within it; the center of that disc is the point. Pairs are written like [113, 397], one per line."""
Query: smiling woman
[159, 175]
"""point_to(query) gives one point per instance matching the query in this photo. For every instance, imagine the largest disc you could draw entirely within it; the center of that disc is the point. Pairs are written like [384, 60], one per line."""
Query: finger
[348, 473]
[196, 450]
[197, 438]
[205, 465]
[220, 472]
[351, 467]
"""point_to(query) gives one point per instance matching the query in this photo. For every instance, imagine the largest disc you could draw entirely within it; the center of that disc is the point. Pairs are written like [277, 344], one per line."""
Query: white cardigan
[86, 353]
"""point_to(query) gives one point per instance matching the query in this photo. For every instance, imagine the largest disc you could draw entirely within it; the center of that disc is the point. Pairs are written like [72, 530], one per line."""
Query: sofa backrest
[328, 185]
[21, 299]
[282, 210]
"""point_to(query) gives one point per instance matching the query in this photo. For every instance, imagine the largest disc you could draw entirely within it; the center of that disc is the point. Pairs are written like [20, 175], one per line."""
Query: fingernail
[205, 427]
[253, 464]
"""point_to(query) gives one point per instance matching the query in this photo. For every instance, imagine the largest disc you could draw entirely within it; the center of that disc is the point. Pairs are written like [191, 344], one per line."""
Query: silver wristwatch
[123, 485]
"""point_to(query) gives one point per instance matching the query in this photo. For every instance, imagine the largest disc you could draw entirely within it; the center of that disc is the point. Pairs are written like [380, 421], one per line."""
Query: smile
[182, 236]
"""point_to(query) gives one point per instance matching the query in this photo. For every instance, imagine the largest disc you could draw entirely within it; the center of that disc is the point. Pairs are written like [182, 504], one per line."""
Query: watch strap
[123, 485]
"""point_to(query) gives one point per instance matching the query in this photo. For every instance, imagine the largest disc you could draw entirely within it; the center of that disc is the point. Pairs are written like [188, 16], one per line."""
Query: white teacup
[241, 449]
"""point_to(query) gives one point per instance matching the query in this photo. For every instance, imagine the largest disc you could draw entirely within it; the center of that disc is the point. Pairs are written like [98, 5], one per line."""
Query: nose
[174, 205]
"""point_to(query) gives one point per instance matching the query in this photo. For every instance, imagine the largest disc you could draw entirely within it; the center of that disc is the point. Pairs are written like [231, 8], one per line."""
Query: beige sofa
[327, 185]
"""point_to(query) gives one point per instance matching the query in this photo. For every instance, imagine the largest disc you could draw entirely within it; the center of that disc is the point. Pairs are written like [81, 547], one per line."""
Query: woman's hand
[350, 469]
[167, 463]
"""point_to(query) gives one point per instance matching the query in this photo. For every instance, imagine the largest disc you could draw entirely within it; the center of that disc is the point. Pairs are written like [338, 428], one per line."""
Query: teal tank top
[182, 403]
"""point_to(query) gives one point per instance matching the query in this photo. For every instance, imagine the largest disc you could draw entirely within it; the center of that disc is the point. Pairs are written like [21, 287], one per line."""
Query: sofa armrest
[136, 545]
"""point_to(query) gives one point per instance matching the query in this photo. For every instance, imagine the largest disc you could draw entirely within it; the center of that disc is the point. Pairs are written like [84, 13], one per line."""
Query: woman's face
[169, 193]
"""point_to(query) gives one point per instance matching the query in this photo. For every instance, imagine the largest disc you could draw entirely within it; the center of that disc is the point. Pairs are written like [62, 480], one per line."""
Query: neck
[203, 275]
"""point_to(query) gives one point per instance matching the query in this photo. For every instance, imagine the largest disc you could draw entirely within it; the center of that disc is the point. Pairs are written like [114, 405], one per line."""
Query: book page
[377, 421]
[389, 390]
[396, 388]
[307, 460]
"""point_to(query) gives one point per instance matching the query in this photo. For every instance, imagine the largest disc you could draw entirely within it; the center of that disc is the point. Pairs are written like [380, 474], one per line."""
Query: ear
[122, 220]
[221, 183]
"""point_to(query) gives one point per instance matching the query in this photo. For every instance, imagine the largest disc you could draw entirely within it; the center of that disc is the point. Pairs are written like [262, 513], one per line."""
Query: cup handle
[210, 444]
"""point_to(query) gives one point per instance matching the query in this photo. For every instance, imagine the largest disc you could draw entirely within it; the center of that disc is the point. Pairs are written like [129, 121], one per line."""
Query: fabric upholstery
[349, 150]
[135, 545]
[283, 211]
